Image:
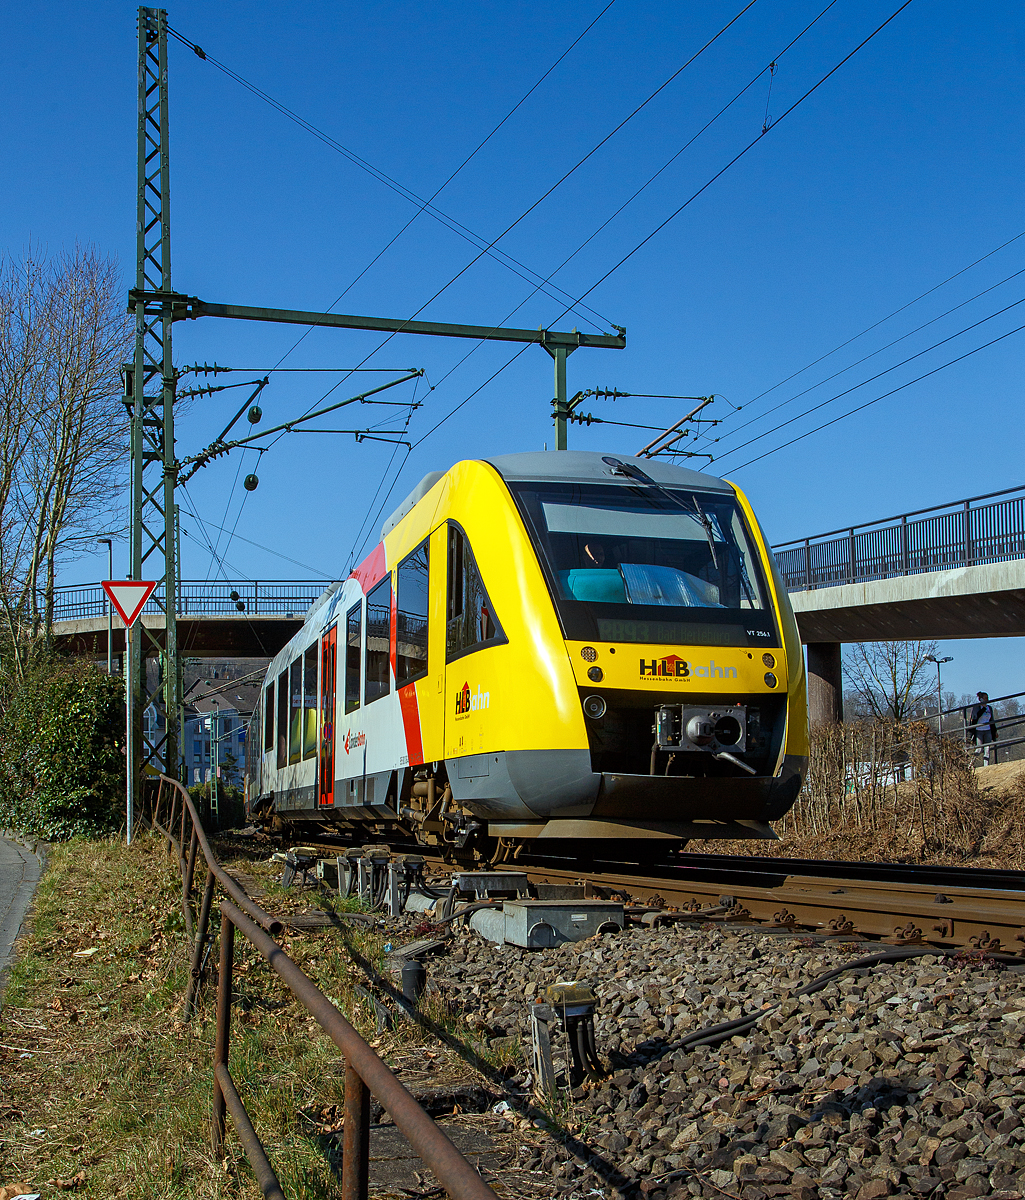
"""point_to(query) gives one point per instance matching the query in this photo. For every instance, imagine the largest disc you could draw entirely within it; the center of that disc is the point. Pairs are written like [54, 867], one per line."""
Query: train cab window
[646, 563]
[310, 702]
[295, 716]
[411, 607]
[377, 682]
[283, 719]
[353, 656]
[471, 620]
[268, 717]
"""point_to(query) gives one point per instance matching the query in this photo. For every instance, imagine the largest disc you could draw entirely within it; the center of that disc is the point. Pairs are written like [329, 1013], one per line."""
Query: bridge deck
[198, 636]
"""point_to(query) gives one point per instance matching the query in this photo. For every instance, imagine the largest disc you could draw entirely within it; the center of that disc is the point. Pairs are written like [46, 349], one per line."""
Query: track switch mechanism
[573, 1003]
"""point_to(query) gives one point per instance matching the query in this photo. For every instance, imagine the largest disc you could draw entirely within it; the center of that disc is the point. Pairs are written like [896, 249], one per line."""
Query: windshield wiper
[633, 472]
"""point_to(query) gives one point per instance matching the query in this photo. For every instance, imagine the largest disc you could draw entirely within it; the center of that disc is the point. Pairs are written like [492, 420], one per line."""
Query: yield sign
[128, 596]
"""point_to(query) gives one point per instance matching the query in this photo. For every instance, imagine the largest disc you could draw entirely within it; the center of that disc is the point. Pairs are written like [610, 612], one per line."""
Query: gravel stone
[901, 1079]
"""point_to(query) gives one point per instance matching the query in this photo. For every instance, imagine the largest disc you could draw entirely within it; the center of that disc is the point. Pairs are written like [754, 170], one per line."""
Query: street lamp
[939, 689]
[108, 542]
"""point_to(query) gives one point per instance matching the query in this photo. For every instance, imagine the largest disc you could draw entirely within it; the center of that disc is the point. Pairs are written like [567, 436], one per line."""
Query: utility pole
[215, 764]
[939, 688]
[109, 543]
[149, 388]
[150, 382]
[561, 402]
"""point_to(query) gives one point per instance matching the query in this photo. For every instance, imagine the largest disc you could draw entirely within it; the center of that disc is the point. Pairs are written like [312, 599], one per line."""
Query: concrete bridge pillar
[825, 683]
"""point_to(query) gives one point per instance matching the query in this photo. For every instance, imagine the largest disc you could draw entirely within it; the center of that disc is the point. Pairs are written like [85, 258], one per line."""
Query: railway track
[849, 902]
[981, 910]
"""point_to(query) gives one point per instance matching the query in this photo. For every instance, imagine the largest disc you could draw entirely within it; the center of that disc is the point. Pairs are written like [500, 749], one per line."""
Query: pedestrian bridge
[953, 571]
[223, 619]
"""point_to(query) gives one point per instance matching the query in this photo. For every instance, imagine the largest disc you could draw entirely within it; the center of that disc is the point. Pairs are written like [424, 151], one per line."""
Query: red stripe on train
[411, 724]
[372, 569]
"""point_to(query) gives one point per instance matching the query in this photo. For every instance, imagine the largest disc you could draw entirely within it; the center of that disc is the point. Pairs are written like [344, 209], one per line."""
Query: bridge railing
[982, 529]
[260, 598]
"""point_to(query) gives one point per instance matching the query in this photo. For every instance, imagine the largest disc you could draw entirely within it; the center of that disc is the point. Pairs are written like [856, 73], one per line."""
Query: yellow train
[545, 646]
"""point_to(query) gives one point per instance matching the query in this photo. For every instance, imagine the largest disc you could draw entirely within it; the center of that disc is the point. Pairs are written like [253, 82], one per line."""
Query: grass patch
[103, 1086]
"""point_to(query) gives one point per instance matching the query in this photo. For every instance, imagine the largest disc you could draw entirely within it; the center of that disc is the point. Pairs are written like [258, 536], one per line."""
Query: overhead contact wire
[850, 367]
[854, 387]
[736, 158]
[886, 395]
[572, 306]
[686, 146]
[473, 153]
[888, 317]
[381, 176]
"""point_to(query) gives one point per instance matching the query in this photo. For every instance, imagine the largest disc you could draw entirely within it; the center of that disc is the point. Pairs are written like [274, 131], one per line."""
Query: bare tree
[889, 680]
[63, 337]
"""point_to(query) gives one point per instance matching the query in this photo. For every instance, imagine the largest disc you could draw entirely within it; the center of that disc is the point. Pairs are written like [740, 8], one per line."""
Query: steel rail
[906, 912]
[732, 868]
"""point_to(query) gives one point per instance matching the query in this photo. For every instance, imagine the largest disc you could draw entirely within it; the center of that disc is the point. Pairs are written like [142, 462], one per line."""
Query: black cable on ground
[715, 1035]
[467, 909]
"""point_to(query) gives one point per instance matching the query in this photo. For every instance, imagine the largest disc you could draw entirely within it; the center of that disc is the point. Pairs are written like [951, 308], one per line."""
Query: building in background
[217, 709]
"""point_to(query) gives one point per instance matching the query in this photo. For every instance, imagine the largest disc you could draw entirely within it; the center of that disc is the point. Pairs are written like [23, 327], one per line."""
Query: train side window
[378, 641]
[295, 697]
[411, 608]
[353, 656]
[268, 717]
[283, 719]
[310, 702]
[471, 618]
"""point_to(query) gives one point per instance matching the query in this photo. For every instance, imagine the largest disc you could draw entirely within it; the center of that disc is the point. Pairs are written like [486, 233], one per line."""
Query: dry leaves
[67, 1185]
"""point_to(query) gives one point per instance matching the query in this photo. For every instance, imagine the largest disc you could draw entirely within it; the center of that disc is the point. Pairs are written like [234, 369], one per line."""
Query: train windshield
[637, 563]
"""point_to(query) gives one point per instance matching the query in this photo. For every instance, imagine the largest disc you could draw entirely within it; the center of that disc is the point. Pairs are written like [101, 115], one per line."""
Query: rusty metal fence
[982, 529]
[172, 813]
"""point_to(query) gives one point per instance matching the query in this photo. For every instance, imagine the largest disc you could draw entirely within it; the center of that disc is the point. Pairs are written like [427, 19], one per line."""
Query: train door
[328, 677]
[470, 625]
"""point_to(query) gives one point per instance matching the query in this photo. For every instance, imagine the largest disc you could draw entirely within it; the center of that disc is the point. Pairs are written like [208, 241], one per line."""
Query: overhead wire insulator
[204, 369]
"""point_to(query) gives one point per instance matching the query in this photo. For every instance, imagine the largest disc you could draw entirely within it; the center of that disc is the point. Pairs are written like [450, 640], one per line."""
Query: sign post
[129, 597]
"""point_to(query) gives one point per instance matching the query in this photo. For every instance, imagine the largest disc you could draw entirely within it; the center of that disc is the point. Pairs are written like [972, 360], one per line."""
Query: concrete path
[19, 873]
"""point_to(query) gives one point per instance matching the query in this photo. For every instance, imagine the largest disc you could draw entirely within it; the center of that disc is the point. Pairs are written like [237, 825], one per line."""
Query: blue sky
[902, 169]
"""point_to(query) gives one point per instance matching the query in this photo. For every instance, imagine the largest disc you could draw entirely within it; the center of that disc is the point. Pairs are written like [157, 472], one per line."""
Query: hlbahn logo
[675, 667]
[672, 666]
[353, 741]
[468, 702]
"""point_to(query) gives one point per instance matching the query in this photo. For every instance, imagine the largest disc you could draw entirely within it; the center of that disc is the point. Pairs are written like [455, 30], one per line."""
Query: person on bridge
[982, 725]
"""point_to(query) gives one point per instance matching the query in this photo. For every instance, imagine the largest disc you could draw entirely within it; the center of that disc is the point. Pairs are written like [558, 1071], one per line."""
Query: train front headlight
[594, 707]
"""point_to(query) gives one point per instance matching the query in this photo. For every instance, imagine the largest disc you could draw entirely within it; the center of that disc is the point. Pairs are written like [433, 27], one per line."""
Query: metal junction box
[537, 924]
